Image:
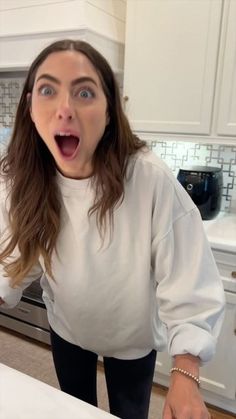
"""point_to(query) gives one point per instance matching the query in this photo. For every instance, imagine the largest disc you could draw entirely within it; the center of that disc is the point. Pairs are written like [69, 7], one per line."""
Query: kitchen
[195, 104]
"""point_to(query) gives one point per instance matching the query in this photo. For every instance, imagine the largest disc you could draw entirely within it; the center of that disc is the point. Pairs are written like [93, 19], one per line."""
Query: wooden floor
[35, 359]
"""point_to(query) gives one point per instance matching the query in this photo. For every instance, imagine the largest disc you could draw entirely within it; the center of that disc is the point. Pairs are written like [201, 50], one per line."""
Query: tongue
[68, 145]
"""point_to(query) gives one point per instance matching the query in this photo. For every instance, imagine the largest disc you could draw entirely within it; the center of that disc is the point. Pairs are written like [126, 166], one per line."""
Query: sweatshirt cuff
[193, 340]
[10, 296]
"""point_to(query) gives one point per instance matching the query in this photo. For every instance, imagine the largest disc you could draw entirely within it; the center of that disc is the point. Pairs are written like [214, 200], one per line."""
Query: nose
[65, 109]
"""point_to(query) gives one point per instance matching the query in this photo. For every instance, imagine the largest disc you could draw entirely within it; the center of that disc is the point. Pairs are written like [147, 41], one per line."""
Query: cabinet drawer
[226, 258]
[226, 263]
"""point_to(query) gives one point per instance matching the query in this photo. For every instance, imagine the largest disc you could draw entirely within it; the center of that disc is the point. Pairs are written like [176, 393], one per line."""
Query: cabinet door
[219, 376]
[227, 99]
[170, 64]
[163, 365]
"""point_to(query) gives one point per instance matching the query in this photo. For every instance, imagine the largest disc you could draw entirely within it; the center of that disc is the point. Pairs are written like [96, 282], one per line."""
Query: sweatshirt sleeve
[10, 295]
[189, 288]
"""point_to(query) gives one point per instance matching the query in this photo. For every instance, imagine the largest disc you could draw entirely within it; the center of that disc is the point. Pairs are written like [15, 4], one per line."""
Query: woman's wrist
[187, 362]
[186, 373]
[187, 366]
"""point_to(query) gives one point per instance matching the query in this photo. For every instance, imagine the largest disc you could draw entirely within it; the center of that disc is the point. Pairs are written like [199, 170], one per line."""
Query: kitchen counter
[23, 397]
[221, 232]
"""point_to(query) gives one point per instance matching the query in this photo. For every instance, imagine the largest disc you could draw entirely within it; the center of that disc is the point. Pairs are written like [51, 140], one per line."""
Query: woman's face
[69, 110]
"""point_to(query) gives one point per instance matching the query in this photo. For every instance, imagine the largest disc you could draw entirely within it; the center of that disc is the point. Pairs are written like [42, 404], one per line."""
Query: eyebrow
[73, 83]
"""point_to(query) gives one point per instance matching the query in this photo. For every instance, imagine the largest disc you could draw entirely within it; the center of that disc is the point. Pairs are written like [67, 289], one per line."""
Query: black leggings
[129, 382]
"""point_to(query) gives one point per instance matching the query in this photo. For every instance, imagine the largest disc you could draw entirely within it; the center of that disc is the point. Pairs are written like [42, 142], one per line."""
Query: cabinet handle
[233, 274]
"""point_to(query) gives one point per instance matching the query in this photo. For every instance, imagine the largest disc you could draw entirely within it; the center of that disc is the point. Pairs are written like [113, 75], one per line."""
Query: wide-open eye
[46, 90]
[84, 93]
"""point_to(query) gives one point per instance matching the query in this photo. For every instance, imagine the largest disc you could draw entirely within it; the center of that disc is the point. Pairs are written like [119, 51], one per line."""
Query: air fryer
[204, 185]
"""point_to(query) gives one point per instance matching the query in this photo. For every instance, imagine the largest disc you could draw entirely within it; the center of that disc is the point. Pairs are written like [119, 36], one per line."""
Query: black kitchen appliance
[204, 185]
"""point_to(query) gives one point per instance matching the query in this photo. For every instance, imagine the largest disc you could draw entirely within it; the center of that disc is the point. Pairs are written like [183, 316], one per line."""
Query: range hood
[26, 27]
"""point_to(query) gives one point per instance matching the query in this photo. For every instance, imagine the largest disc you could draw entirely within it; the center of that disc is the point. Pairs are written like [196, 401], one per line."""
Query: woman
[120, 244]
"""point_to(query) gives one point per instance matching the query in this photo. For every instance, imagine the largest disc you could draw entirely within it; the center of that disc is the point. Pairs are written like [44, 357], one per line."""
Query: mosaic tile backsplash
[176, 154]
[11, 85]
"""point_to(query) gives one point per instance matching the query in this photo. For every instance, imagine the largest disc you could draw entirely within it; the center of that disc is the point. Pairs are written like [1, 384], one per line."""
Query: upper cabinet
[226, 120]
[173, 60]
[27, 26]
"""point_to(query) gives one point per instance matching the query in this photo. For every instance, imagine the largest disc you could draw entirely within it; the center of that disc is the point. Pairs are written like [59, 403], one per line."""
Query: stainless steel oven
[29, 317]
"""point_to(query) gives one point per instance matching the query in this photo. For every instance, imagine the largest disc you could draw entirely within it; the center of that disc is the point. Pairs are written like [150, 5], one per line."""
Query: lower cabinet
[218, 377]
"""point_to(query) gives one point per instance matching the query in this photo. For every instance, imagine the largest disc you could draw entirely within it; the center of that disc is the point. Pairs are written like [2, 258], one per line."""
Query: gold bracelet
[188, 374]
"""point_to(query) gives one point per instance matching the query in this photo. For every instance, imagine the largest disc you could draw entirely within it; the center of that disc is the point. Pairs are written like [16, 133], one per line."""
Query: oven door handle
[23, 310]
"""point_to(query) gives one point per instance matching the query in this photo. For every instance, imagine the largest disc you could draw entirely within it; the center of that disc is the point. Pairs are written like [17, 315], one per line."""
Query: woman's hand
[1, 301]
[183, 400]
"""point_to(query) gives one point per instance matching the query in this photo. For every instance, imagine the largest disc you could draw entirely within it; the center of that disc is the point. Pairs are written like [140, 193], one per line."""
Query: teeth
[64, 134]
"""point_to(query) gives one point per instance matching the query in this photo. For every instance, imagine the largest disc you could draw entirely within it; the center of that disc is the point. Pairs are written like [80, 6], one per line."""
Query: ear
[28, 97]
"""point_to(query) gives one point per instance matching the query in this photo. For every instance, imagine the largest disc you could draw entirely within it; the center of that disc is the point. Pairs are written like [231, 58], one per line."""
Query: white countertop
[221, 232]
[23, 397]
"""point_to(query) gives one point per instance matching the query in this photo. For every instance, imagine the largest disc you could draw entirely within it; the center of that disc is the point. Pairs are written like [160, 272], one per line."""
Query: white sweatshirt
[155, 280]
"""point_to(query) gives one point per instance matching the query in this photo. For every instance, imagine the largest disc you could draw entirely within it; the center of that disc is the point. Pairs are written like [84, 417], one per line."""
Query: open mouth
[67, 144]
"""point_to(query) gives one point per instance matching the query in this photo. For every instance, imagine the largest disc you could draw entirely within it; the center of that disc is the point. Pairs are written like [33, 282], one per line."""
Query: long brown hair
[30, 172]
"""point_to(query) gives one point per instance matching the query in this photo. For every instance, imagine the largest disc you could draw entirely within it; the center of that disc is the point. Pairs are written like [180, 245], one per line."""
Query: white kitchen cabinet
[163, 366]
[218, 377]
[171, 52]
[226, 119]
